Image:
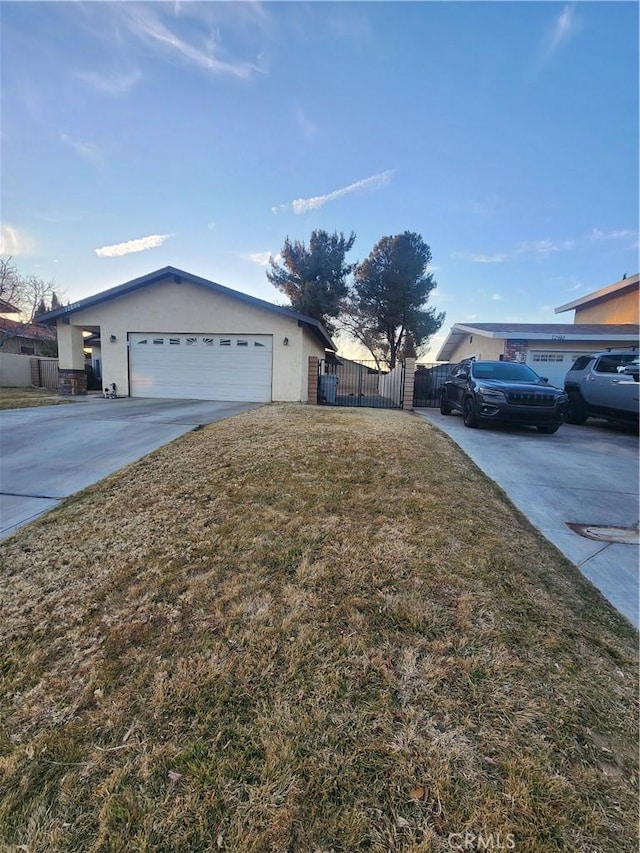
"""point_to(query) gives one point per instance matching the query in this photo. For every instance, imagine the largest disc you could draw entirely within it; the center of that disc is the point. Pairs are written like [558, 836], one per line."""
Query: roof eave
[460, 330]
[598, 296]
[179, 275]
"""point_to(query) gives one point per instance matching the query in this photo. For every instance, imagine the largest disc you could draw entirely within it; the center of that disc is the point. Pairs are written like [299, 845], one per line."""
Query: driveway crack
[42, 497]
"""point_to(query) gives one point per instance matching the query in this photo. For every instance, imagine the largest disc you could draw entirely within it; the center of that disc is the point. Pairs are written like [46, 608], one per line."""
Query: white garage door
[201, 367]
[552, 364]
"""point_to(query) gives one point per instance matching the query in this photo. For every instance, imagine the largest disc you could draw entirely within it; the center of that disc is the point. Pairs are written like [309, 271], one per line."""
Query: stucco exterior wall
[624, 308]
[182, 308]
[492, 348]
[489, 349]
[15, 370]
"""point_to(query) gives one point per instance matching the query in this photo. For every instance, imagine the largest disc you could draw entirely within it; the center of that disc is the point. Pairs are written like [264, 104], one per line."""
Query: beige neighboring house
[551, 348]
[177, 335]
[26, 338]
[615, 303]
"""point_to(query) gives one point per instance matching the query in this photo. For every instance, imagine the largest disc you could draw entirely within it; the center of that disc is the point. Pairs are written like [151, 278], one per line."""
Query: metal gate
[344, 382]
[427, 384]
[44, 373]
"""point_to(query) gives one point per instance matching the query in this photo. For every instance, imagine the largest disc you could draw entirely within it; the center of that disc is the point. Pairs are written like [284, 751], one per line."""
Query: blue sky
[200, 135]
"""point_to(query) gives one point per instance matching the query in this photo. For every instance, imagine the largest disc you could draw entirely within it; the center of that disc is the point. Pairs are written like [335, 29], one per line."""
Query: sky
[200, 135]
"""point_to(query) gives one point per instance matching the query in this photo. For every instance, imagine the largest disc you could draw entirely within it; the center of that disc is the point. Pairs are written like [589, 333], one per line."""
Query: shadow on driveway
[49, 453]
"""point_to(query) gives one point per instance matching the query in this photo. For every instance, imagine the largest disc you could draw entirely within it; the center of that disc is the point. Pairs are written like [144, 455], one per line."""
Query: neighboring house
[551, 348]
[7, 308]
[354, 378]
[615, 303]
[26, 338]
[174, 334]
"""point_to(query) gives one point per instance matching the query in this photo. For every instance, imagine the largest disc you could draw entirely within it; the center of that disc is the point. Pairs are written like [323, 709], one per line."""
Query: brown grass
[308, 630]
[22, 398]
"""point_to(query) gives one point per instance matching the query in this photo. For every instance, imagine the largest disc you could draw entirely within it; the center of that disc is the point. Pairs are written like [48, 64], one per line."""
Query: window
[242, 343]
[257, 344]
[208, 342]
[505, 371]
[462, 370]
[548, 357]
[144, 341]
[582, 362]
[614, 363]
[225, 342]
[191, 342]
[27, 351]
[174, 342]
[158, 340]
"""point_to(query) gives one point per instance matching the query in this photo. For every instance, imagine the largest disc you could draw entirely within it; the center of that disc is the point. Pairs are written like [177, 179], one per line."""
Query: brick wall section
[72, 383]
[409, 373]
[312, 382]
[512, 347]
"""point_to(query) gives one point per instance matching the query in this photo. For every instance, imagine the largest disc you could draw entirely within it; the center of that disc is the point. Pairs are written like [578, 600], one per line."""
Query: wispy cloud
[497, 258]
[262, 258]
[14, 242]
[622, 234]
[110, 84]
[496, 297]
[308, 127]
[131, 246]
[87, 150]
[542, 248]
[144, 21]
[563, 28]
[539, 248]
[304, 205]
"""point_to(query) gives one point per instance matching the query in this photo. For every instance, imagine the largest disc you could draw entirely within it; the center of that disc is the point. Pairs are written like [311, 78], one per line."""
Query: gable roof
[29, 331]
[539, 332]
[8, 308]
[615, 289]
[314, 326]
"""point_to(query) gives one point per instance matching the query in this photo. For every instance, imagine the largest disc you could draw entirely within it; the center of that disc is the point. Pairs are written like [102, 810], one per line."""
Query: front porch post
[72, 378]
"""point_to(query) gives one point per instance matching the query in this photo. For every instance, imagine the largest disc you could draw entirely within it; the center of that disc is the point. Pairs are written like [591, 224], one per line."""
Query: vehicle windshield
[504, 371]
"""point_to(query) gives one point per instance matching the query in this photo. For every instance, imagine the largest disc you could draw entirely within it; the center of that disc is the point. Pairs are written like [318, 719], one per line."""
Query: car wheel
[469, 417]
[549, 429]
[445, 405]
[577, 411]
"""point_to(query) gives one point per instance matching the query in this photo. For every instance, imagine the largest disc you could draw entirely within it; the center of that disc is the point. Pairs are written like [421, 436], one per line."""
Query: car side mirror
[545, 379]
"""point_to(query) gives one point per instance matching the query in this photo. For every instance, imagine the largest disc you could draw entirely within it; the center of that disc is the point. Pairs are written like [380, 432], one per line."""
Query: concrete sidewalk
[585, 475]
[48, 453]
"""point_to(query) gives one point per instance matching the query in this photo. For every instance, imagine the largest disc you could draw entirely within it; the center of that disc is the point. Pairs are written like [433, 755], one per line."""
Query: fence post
[409, 374]
[312, 381]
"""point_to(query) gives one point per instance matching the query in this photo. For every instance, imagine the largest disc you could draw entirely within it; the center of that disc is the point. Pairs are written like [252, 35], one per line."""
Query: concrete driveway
[49, 453]
[583, 475]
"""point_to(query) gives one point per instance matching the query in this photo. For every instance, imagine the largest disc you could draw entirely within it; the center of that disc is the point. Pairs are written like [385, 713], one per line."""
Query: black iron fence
[427, 384]
[344, 382]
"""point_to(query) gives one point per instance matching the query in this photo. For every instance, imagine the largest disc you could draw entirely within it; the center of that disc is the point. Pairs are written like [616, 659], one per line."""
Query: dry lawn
[22, 398]
[307, 630]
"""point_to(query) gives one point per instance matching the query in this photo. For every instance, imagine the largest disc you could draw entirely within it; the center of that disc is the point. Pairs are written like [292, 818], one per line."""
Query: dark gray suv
[502, 392]
[604, 385]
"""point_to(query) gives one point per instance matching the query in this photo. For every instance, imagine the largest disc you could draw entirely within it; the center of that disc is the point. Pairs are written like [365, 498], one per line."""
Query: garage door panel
[237, 368]
[553, 364]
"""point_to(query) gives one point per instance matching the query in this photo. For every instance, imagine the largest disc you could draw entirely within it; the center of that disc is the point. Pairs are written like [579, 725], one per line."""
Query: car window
[504, 371]
[582, 362]
[460, 370]
[613, 362]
